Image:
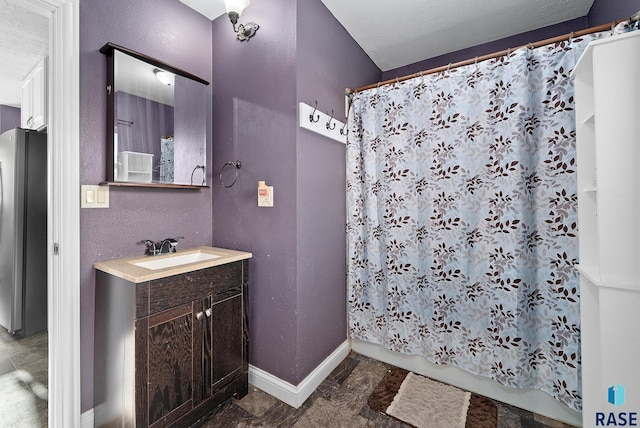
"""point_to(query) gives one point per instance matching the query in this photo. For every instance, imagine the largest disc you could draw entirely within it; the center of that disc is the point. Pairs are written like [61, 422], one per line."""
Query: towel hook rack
[313, 114]
[328, 124]
[344, 131]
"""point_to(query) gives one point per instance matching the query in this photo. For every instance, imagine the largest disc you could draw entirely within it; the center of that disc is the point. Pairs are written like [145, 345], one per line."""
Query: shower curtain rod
[498, 54]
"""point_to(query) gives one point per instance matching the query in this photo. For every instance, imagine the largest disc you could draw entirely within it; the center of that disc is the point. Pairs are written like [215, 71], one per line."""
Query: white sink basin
[173, 261]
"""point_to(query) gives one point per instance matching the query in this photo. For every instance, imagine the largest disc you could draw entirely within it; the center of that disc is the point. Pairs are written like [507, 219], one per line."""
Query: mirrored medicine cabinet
[156, 121]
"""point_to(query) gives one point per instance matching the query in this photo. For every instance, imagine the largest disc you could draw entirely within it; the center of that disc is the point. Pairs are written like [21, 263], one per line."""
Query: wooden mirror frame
[108, 50]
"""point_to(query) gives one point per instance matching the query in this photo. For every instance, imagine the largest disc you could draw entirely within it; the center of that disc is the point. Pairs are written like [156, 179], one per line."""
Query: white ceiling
[397, 33]
[209, 8]
[24, 40]
[393, 33]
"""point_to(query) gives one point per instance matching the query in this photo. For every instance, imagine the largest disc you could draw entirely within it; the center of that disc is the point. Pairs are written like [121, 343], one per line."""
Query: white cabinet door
[39, 106]
[27, 103]
[34, 98]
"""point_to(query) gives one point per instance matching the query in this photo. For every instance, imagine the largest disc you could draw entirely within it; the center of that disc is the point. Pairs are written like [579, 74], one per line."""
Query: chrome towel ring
[237, 165]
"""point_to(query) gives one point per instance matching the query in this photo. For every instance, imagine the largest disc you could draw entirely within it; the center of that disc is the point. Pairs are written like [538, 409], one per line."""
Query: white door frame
[63, 222]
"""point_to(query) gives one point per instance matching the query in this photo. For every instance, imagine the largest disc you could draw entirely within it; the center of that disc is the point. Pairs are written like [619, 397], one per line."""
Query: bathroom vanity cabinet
[169, 350]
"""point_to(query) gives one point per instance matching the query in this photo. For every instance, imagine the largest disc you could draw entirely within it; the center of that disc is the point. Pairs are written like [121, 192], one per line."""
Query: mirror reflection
[159, 123]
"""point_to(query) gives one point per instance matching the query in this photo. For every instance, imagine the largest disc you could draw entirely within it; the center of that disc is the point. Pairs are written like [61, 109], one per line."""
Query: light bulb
[164, 76]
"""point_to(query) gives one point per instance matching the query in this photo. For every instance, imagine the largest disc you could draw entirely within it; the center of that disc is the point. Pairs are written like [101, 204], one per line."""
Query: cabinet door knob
[208, 312]
[200, 315]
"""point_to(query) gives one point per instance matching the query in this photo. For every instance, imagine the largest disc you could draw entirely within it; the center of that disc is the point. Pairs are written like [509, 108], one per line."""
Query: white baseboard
[531, 400]
[293, 395]
[86, 419]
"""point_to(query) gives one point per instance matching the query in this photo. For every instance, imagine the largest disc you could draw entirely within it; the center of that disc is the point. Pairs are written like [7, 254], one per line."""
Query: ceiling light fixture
[234, 10]
[164, 76]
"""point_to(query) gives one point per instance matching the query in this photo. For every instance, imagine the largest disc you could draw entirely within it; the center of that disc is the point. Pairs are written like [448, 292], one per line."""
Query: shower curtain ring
[312, 115]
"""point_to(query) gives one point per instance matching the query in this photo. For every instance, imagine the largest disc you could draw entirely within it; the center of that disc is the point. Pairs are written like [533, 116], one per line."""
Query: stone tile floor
[341, 401]
[23, 380]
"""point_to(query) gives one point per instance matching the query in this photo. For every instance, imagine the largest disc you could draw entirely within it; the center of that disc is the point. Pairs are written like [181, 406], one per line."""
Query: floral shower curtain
[462, 210]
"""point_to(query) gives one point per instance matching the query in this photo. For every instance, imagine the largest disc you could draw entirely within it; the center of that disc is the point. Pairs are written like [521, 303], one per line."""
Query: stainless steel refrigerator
[23, 231]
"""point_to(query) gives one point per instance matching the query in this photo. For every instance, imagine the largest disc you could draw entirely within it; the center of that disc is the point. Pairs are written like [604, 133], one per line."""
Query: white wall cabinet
[33, 113]
[607, 93]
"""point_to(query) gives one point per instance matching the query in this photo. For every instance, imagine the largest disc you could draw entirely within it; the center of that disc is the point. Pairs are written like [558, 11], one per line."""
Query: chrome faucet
[152, 248]
[168, 245]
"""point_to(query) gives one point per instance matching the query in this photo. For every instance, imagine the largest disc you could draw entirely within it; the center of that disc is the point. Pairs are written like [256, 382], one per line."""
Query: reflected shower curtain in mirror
[462, 211]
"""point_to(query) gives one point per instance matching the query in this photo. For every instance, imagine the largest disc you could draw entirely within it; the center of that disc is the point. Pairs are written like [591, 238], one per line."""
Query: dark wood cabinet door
[202, 351]
[228, 346]
[170, 364]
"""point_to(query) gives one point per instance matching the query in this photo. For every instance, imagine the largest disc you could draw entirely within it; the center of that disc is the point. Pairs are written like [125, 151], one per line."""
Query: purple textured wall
[297, 284]
[9, 118]
[167, 30]
[329, 61]
[254, 117]
[605, 11]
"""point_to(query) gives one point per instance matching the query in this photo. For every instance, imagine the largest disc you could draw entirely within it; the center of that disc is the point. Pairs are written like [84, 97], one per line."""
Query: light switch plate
[94, 196]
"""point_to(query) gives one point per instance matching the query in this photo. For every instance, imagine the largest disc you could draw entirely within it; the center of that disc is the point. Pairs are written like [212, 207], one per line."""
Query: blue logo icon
[616, 395]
